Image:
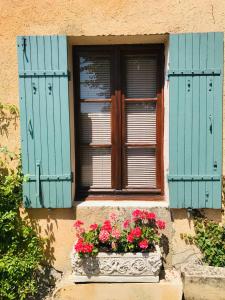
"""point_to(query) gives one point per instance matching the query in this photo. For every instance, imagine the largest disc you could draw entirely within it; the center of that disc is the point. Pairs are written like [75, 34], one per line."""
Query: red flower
[136, 232]
[130, 238]
[93, 226]
[104, 236]
[136, 214]
[161, 224]
[82, 247]
[151, 216]
[126, 223]
[143, 244]
[78, 223]
[107, 226]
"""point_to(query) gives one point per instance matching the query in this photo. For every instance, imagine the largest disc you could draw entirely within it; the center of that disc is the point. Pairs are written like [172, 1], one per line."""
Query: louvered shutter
[44, 113]
[195, 148]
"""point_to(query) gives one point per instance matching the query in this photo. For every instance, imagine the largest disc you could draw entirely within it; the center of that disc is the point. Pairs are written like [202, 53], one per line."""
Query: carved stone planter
[203, 282]
[118, 267]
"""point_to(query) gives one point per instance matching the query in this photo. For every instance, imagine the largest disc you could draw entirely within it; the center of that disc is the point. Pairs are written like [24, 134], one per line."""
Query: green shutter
[44, 113]
[195, 127]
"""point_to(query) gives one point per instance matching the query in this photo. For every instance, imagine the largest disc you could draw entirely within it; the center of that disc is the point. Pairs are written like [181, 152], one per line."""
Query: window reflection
[95, 77]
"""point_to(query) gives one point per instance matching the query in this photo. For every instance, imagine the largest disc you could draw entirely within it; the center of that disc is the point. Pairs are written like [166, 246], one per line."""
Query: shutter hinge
[69, 75]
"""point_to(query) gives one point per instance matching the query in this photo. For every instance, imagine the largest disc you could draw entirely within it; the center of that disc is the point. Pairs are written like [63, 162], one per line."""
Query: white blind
[141, 122]
[95, 77]
[141, 167]
[95, 167]
[95, 122]
[141, 76]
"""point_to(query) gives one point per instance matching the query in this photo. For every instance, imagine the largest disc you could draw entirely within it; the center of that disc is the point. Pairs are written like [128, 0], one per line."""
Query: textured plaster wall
[90, 22]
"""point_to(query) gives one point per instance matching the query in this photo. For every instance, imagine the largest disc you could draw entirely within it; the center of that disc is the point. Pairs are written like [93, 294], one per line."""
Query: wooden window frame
[118, 124]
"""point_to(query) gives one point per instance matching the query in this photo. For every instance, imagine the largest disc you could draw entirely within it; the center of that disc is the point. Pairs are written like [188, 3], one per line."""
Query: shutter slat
[195, 120]
[47, 106]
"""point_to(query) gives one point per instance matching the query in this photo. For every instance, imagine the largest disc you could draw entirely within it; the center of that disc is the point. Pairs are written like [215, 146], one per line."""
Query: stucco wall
[90, 22]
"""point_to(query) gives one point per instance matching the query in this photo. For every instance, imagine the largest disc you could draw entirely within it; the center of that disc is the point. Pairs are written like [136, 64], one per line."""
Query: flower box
[117, 267]
[122, 249]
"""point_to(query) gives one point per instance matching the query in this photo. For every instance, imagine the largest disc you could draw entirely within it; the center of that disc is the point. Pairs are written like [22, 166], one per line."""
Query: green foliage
[210, 239]
[21, 250]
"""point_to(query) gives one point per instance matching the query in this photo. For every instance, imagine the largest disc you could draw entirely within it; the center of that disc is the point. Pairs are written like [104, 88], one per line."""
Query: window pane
[141, 75]
[95, 77]
[141, 168]
[95, 167]
[141, 122]
[95, 123]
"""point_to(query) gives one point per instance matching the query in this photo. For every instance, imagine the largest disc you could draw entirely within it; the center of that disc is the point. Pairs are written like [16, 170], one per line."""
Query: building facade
[121, 107]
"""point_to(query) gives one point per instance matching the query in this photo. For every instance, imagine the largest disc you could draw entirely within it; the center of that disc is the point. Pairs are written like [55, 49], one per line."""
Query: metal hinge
[194, 178]
[189, 72]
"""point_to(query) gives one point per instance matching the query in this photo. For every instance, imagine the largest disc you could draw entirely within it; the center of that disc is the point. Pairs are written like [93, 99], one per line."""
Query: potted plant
[119, 250]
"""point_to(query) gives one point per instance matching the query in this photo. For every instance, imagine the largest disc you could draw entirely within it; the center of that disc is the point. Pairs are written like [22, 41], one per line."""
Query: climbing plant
[21, 250]
[210, 239]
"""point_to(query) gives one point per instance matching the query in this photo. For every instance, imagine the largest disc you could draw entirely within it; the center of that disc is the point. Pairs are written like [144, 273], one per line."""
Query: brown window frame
[118, 124]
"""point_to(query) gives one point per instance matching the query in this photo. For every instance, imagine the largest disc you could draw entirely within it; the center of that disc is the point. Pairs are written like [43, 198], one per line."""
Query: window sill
[122, 203]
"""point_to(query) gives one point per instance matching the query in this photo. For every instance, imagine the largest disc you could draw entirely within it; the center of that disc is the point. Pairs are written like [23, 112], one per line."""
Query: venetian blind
[95, 77]
[95, 167]
[141, 122]
[141, 76]
[95, 121]
[140, 154]
[141, 168]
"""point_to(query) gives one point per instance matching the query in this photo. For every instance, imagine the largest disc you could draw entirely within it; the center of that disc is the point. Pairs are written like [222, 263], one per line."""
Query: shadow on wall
[52, 225]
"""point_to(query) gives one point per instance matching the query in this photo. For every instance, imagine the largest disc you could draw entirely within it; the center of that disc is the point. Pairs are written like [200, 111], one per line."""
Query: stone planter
[118, 267]
[203, 282]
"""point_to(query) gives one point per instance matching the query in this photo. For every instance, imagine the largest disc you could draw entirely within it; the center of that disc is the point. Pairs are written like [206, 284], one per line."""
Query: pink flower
[116, 233]
[143, 244]
[107, 226]
[126, 224]
[104, 236]
[161, 224]
[78, 223]
[136, 232]
[113, 216]
[130, 238]
[93, 226]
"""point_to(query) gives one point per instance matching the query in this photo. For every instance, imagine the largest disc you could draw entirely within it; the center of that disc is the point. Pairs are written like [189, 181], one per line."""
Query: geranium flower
[104, 236]
[78, 224]
[93, 226]
[116, 233]
[113, 216]
[136, 214]
[161, 224]
[136, 232]
[143, 244]
[151, 216]
[107, 226]
[130, 238]
[126, 224]
[82, 247]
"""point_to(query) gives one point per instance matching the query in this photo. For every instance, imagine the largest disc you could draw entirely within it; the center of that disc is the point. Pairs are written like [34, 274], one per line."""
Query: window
[119, 121]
